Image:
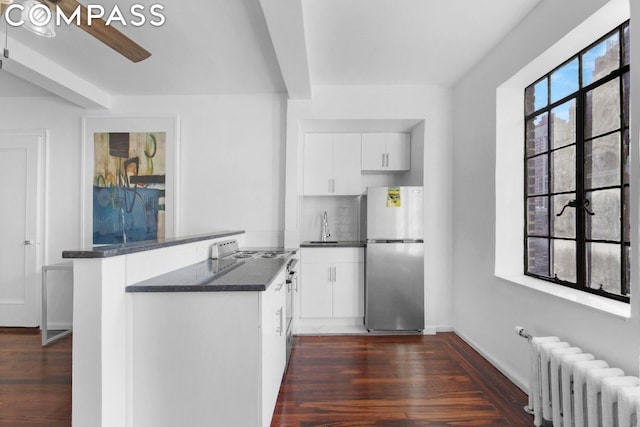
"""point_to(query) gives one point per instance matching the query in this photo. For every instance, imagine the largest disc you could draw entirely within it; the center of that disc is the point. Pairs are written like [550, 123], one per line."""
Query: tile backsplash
[343, 213]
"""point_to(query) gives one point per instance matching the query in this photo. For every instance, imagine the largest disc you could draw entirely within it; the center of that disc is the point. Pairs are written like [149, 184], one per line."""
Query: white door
[19, 261]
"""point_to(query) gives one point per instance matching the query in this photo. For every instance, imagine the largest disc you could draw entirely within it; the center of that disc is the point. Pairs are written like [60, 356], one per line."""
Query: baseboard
[522, 385]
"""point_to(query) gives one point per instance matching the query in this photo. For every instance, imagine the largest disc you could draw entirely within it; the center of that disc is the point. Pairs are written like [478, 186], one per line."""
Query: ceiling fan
[107, 34]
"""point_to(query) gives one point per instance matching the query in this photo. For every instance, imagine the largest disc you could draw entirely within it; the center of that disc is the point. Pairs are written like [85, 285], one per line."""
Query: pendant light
[38, 18]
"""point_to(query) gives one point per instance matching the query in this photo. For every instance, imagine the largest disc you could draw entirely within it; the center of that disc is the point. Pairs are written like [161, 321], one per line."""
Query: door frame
[42, 207]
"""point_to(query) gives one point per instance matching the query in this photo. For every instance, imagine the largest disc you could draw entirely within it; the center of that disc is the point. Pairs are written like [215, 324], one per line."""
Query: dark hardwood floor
[393, 381]
[336, 381]
[35, 382]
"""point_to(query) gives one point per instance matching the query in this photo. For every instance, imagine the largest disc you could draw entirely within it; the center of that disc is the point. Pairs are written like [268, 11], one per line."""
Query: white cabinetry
[386, 151]
[273, 331]
[332, 282]
[208, 358]
[332, 164]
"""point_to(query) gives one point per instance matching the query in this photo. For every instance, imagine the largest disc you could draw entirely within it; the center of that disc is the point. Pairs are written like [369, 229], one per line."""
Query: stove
[229, 249]
[268, 254]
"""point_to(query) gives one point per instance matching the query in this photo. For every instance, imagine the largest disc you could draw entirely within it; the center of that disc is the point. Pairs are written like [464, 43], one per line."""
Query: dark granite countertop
[216, 275]
[133, 247]
[337, 244]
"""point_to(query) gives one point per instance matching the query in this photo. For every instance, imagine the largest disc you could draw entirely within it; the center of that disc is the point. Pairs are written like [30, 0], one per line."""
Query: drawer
[331, 255]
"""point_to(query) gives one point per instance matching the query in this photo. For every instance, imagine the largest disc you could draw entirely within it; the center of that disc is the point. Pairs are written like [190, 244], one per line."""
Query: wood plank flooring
[393, 381]
[335, 381]
[35, 381]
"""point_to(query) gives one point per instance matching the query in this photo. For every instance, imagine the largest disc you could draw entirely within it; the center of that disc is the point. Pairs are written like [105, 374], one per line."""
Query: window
[577, 170]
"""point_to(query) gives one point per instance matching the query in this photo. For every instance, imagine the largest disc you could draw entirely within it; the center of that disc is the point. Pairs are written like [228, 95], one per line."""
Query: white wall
[487, 308]
[231, 172]
[389, 106]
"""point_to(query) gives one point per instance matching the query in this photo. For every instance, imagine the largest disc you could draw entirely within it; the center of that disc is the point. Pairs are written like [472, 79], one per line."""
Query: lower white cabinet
[207, 358]
[273, 333]
[332, 282]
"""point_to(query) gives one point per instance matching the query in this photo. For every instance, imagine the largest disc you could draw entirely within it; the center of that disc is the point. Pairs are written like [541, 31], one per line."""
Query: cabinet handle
[333, 185]
[329, 182]
[280, 316]
[387, 156]
[382, 159]
[334, 274]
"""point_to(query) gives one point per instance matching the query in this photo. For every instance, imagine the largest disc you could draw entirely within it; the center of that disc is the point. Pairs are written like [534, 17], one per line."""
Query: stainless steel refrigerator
[394, 280]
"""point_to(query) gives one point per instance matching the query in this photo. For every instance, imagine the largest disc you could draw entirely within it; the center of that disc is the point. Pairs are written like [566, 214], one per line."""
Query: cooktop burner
[259, 254]
[229, 249]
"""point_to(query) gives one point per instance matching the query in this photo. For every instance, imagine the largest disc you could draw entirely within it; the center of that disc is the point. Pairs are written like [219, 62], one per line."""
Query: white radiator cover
[571, 388]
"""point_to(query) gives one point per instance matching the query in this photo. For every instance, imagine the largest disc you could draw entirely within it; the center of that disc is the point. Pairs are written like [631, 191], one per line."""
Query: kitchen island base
[197, 360]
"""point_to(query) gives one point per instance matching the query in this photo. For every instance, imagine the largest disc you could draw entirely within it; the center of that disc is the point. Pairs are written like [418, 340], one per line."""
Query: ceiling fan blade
[99, 29]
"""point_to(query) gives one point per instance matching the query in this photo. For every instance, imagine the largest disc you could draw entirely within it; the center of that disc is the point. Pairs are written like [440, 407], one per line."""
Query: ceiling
[263, 46]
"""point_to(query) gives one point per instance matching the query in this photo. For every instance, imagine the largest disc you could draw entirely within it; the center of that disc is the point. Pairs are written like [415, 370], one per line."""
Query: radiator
[572, 388]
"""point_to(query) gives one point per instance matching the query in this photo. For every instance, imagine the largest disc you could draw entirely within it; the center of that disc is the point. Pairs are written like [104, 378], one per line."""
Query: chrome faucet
[325, 227]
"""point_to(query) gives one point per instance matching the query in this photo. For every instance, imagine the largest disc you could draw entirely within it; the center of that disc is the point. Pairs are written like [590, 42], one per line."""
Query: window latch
[573, 203]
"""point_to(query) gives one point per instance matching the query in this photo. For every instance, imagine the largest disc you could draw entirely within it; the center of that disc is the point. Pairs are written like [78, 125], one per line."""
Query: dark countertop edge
[340, 244]
[134, 247]
[206, 286]
[195, 288]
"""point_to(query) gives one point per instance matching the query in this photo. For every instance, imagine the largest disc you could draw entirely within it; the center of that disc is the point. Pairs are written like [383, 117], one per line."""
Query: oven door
[292, 286]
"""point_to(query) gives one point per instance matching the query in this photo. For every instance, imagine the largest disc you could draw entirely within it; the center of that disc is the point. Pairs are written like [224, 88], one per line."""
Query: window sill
[615, 308]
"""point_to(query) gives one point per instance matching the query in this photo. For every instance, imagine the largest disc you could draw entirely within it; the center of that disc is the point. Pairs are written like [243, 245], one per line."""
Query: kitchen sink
[328, 242]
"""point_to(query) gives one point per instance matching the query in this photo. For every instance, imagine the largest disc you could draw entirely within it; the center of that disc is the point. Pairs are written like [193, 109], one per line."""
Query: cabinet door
[318, 164]
[398, 149]
[273, 344]
[373, 151]
[316, 290]
[346, 164]
[348, 290]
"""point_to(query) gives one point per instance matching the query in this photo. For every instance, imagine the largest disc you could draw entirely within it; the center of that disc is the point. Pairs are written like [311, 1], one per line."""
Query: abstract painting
[128, 186]
[129, 179]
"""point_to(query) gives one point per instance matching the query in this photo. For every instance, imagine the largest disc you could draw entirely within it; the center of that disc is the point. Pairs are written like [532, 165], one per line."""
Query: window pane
[626, 225]
[538, 175]
[603, 109]
[564, 260]
[605, 223]
[625, 148]
[563, 164]
[537, 135]
[603, 267]
[627, 270]
[601, 59]
[563, 124]
[538, 216]
[538, 256]
[536, 96]
[565, 224]
[564, 81]
[626, 45]
[602, 161]
[626, 90]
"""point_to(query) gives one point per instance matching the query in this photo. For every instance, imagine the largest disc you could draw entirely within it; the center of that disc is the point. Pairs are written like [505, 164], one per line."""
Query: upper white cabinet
[332, 164]
[386, 151]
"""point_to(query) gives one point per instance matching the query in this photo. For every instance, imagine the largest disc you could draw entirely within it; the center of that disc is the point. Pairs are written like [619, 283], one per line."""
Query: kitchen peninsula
[165, 336]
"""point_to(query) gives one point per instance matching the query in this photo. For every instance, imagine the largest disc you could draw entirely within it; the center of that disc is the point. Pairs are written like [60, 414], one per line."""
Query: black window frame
[581, 240]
